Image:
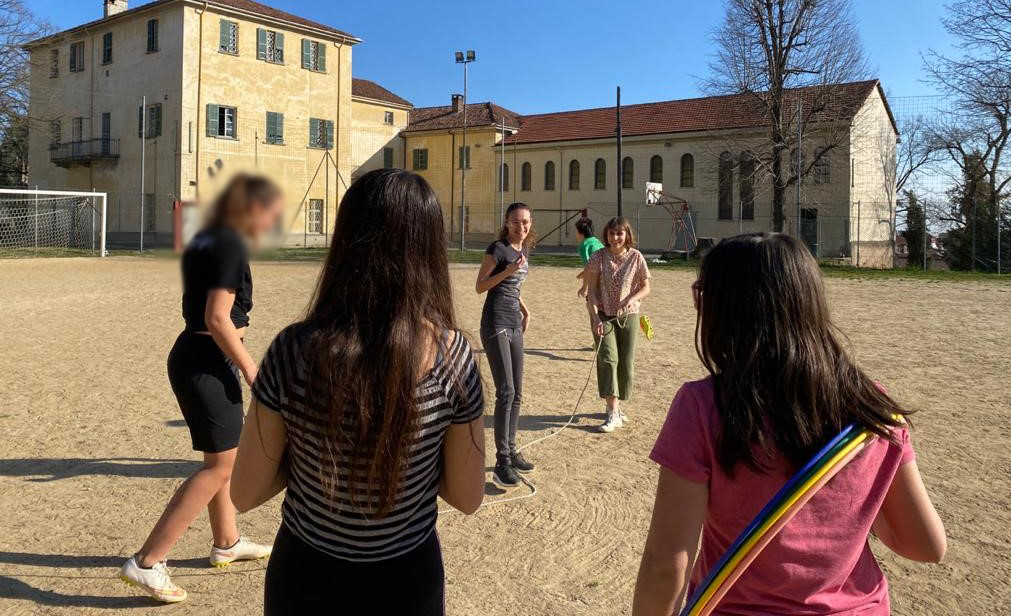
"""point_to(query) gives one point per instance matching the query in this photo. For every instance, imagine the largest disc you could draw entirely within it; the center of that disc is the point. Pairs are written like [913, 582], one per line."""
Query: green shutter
[313, 132]
[157, 120]
[306, 53]
[387, 158]
[140, 122]
[261, 44]
[270, 127]
[225, 36]
[212, 120]
[279, 127]
[415, 155]
[329, 134]
[321, 52]
[279, 47]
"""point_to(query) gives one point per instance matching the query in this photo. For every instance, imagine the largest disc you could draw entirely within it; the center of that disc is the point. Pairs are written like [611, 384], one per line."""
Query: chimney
[114, 7]
[457, 103]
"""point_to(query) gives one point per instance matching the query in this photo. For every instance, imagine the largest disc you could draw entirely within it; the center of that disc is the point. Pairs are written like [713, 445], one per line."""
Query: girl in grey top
[503, 321]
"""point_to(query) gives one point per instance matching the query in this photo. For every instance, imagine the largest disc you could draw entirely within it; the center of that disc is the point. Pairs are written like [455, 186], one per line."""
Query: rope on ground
[569, 422]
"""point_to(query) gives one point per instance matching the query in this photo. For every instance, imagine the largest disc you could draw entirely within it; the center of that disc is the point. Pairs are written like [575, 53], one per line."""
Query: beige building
[229, 84]
[706, 152]
[378, 117]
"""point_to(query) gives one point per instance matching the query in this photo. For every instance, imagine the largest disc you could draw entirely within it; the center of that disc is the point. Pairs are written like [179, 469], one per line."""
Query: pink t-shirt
[820, 563]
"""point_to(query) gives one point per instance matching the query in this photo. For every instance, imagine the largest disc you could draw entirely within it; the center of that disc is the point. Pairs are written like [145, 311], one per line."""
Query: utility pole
[617, 112]
[143, 161]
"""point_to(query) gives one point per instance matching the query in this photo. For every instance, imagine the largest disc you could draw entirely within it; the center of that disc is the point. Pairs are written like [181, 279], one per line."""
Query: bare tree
[979, 81]
[766, 48]
[17, 26]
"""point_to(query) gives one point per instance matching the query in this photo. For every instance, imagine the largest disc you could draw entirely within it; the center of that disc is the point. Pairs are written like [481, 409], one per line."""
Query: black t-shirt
[502, 305]
[216, 258]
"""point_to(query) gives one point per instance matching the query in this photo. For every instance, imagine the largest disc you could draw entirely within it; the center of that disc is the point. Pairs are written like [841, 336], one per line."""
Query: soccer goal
[42, 223]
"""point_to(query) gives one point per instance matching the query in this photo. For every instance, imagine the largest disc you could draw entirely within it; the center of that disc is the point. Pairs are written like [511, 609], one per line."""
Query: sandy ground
[92, 444]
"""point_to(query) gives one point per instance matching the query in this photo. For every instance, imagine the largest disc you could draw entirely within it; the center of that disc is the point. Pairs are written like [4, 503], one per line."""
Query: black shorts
[303, 580]
[208, 387]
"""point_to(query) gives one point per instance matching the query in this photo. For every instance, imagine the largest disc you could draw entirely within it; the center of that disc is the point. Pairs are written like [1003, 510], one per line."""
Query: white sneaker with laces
[154, 581]
[612, 422]
[244, 549]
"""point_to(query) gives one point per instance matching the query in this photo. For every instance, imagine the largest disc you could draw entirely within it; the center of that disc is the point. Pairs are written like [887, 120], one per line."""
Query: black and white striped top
[322, 515]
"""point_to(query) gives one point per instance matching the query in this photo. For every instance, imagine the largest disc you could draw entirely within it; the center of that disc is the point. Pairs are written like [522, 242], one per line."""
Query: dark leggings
[304, 580]
[504, 348]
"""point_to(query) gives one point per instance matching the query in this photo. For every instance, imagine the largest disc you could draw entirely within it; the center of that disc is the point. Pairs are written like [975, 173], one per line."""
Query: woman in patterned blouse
[618, 281]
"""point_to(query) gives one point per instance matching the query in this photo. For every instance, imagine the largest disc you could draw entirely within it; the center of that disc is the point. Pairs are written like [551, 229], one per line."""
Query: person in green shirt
[588, 245]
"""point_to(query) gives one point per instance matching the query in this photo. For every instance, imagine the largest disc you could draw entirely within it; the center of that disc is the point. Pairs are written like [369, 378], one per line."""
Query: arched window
[525, 176]
[656, 169]
[574, 175]
[687, 171]
[822, 167]
[726, 187]
[503, 178]
[600, 174]
[549, 175]
[627, 169]
[747, 171]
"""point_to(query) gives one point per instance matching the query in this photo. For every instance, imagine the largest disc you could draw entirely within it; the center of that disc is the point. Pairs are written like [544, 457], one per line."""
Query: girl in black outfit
[503, 321]
[204, 368]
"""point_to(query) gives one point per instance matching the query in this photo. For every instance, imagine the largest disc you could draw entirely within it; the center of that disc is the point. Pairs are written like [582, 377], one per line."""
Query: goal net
[51, 223]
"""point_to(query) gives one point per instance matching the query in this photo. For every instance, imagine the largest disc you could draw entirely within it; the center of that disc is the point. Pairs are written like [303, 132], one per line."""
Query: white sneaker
[244, 549]
[154, 581]
[612, 422]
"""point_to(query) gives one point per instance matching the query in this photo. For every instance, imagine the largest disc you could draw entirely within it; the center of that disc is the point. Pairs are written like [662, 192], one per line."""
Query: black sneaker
[505, 477]
[521, 465]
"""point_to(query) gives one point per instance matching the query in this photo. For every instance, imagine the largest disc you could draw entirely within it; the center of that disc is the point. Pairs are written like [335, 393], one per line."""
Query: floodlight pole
[464, 156]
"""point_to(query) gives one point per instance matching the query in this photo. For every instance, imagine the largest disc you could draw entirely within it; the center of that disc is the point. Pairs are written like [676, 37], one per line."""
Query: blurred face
[616, 237]
[265, 217]
[518, 222]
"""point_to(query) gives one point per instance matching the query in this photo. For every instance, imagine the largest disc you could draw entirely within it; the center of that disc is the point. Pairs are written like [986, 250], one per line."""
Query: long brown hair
[620, 222]
[236, 201]
[384, 288]
[784, 383]
[531, 239]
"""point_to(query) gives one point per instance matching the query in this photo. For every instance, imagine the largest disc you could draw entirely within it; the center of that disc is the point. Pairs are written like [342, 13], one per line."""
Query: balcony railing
[84, 152]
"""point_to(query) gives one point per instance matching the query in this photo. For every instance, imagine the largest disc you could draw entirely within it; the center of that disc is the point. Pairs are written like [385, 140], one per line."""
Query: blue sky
[551, 55]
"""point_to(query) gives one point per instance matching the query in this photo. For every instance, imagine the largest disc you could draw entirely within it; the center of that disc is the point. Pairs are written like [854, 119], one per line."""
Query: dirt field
[92, 444]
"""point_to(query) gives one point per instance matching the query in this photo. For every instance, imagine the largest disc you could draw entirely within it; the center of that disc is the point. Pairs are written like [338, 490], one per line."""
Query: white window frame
[314, 216]
[388, 118]
[233, 42]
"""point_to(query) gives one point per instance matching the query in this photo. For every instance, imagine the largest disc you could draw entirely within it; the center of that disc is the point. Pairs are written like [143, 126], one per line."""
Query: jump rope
[647, 328]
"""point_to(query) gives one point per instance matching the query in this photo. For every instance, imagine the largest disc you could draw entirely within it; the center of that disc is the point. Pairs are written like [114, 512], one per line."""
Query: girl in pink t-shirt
[780, 387]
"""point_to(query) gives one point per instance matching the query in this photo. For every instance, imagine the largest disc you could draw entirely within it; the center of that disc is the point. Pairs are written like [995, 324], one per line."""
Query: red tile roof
[444, 118]
[739, 111]
[241, 5]
[370, 89]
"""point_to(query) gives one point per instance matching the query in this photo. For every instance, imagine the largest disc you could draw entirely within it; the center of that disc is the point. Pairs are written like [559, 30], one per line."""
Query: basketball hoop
[682, 222]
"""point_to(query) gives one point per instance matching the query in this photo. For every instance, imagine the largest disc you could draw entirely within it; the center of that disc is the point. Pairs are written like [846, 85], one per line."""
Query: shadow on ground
[52, 469]
[13, 588]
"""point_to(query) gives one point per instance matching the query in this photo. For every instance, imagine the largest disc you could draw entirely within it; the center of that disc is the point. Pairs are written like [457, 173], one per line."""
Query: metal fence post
[36, 219]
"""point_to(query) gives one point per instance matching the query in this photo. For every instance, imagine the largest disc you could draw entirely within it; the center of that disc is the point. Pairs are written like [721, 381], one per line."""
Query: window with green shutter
[387, 158]
[77, 57]
[152, 35]
[275, 128]
[107, 48]
[154, 121]
[221, 121]
[229, 42]
[320, 133]
[463, 157]
[419, 159]
[313, 56]
[270, 46]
